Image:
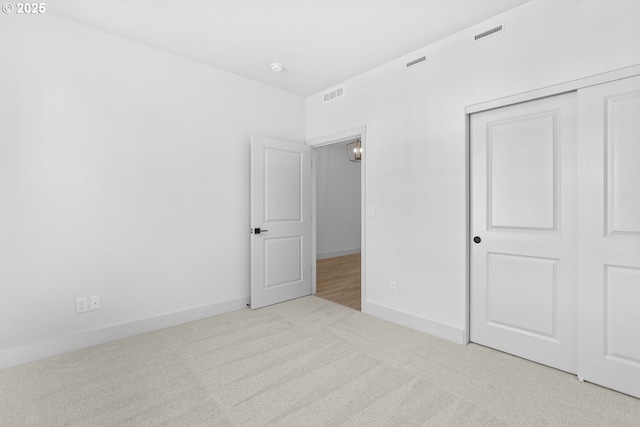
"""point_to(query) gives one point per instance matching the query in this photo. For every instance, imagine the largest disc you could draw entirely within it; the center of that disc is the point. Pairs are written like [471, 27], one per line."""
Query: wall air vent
[492, 32]
[333, 94]
[416, 61]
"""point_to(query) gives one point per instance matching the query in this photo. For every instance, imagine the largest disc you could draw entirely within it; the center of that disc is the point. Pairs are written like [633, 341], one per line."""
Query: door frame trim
[334, 138]
[569, 86]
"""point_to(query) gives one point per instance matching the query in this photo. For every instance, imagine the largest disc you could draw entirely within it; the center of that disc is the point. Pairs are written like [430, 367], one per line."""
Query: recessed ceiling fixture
[277, 67]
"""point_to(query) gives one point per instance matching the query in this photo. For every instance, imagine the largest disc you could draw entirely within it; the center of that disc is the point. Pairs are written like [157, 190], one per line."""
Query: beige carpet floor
[307, 362]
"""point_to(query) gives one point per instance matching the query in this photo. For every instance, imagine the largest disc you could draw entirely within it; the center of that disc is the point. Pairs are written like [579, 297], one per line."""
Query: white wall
[337, 202]
[416, 141]
[124, 172]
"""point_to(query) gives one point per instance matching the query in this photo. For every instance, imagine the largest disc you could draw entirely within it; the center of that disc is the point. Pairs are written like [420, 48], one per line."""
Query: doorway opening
[338, 223]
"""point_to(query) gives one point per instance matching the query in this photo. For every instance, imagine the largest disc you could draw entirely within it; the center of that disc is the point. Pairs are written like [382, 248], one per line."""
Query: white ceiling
[320, 42]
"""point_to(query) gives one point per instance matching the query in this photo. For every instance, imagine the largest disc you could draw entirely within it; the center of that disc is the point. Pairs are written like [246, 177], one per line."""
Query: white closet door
[523, 210]
[609, 235]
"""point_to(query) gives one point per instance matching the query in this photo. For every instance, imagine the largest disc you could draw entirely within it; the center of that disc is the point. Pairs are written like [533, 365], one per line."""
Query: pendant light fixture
[354, 150]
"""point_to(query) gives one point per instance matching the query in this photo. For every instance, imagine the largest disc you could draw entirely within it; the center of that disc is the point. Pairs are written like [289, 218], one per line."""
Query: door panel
[521, 172]
[523, 208]
[279, 255]
[622, 162]
[521, 294]
[609, 237]
[282, 186]
[281, 208]
[621, 314]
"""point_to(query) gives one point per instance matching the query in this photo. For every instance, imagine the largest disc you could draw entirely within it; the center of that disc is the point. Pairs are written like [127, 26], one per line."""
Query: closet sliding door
[523, 210]
[555, 229]
[609, 235]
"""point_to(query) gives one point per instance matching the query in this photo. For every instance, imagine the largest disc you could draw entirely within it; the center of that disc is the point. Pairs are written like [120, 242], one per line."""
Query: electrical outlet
[393, 287]
[81, 305]
[94, 302]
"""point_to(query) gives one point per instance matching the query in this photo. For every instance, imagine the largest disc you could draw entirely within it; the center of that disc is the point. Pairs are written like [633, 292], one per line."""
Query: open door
[280, 221]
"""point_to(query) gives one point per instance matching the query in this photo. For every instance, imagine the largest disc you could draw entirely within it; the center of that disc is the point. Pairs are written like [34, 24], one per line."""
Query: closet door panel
[609, 235]
[523, 209]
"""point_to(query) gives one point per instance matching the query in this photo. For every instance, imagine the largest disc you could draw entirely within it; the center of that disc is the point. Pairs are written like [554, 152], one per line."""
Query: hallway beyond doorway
[338, 280]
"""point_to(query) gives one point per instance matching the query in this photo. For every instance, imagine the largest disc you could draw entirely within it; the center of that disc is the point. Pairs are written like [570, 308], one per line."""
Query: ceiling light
[354, 150]
[277, 67]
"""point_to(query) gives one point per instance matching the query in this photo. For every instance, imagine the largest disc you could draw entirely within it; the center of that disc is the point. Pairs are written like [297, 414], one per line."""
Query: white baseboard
[343, 252]
[66, 343]
[430, 327]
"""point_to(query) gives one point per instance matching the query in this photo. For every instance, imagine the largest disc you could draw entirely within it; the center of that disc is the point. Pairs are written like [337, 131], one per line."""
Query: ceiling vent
[333, 94]
[492, 32]
[416, 61]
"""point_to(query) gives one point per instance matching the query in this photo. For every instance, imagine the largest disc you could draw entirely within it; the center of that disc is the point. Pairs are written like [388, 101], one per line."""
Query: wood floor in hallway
[338, 280]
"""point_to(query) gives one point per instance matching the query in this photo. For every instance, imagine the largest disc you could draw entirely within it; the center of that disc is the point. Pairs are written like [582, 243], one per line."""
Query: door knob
[477, 239]
[257, 230]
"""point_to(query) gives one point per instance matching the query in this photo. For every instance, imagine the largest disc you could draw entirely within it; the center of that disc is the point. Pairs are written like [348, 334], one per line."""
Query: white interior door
[280, 221]
[609, 235]
[523, 215]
